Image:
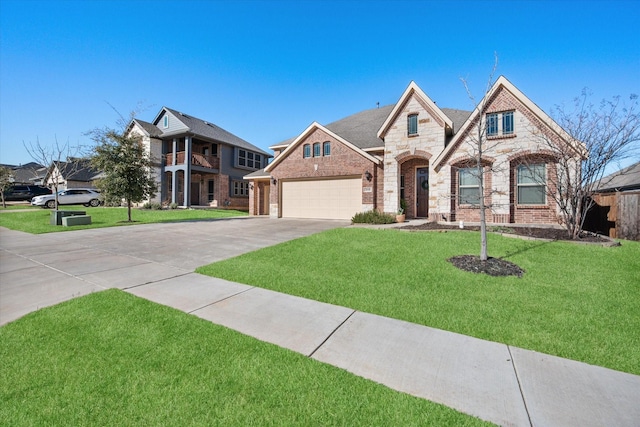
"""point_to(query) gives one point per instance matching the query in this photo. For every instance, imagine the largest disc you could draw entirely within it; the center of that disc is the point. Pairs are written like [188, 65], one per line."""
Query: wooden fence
[616, 215]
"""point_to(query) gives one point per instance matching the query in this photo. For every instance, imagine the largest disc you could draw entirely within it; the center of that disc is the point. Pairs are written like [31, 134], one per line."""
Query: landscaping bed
[549, 233]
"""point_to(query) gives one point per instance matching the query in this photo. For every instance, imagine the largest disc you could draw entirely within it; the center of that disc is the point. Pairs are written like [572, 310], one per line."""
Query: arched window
[316, 150]
[326, 148]
[306, 151]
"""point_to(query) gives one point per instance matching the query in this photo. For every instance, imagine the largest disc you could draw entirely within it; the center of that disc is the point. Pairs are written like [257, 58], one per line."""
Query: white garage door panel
[324, 199]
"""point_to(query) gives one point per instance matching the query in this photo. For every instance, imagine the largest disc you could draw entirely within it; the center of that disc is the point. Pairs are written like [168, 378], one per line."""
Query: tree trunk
[483, 220]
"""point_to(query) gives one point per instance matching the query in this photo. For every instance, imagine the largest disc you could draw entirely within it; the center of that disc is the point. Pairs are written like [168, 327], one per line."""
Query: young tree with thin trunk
[477, 145]
[52, 157]
[607, 135]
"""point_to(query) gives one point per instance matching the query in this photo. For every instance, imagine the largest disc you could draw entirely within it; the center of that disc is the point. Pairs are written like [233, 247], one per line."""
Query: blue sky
[264, 70]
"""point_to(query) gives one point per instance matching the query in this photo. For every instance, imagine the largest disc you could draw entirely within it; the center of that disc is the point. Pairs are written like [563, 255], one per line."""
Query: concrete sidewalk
[495, 382]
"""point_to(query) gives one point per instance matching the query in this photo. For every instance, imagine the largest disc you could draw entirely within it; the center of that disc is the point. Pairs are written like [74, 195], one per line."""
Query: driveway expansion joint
[221, 300]
[332, 333]
[515, 372]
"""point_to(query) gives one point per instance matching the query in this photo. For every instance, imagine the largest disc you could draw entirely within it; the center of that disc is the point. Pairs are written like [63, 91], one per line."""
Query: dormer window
[412, 125]
[165, 121]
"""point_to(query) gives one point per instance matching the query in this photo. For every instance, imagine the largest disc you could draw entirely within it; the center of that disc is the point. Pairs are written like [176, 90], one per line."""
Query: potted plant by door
[401, 216]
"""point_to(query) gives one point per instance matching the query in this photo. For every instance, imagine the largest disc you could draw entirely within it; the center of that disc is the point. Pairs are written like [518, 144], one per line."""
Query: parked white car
[71, 196]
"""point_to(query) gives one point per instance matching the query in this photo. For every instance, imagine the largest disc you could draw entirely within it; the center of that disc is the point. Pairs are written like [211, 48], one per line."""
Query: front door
[422, 192]
[265, 199]
[195, 193]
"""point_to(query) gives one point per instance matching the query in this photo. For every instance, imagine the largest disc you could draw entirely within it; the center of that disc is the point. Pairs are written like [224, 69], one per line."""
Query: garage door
[324, 199]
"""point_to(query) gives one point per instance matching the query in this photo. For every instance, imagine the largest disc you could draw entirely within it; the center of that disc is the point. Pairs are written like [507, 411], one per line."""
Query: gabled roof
[29, 172]
[431, 106]
[313, 127]
[625, 179]
[77, 170]
[503, 83]
[360, 129]
[207, 130]
[152, 130]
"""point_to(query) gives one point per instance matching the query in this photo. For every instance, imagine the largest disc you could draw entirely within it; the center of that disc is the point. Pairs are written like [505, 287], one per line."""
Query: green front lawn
[112, 359]
[37, 222]
[575, 301]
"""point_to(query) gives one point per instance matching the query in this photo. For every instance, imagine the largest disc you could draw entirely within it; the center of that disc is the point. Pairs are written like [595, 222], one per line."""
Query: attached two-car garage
[322, 199]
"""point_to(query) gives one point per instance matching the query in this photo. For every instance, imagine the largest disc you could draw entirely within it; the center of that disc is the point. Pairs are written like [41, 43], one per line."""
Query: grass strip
[574, 301]
[37, 222]
[111, 358]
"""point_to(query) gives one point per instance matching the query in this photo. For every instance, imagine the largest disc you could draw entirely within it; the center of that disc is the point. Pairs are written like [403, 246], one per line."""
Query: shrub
[173, 206]
[152, 205]
[373, 217]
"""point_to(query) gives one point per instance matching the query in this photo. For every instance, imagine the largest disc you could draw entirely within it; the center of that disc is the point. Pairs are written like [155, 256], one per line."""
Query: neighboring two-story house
[197, 163]
[416, 151]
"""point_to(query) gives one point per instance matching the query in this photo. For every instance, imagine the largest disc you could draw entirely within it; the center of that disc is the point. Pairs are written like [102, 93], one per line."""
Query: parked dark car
[25, 192]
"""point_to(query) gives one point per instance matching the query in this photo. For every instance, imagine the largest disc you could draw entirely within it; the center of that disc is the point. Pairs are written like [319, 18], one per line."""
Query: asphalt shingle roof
[625, 179]
[153, 130]
[211, 131]
[77, 170]
[361, 129]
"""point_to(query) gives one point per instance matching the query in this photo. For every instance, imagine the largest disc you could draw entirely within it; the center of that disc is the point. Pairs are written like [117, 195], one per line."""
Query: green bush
[152, 205]
[373, 217]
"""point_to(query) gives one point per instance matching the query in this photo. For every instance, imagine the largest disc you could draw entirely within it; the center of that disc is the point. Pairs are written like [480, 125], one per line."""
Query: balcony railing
[197, 159]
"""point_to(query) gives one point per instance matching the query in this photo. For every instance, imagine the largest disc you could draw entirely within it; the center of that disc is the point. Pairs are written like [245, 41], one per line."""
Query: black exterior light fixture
[368, 175]
[274, 181]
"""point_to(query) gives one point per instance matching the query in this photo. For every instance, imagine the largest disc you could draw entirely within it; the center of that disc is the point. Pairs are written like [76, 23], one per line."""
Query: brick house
[416, 151]
[197, 163]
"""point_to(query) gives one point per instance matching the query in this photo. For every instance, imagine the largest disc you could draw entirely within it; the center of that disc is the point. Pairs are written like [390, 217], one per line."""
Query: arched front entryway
[414, 183]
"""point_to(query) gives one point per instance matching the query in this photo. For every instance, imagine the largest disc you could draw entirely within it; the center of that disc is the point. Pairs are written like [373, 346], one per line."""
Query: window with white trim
[412, 124]
[500, 124]
[326, 148]
[532, 184]
[240, 189]
[492, 124]
[165, 121]
[248, 159]
[468, 186]
[507, 123]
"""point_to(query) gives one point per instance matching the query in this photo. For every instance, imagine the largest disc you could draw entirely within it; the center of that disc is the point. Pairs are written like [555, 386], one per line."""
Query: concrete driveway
[41, 270]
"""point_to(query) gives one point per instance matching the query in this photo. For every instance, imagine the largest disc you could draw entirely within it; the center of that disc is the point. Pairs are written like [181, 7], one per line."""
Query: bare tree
[601, 136]
[5, 182]
[477, 145]
[53, 157]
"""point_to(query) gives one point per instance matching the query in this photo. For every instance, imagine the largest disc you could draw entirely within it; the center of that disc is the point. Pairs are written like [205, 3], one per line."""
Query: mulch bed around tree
[492, 266]
[500, 267]
[535, 232]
